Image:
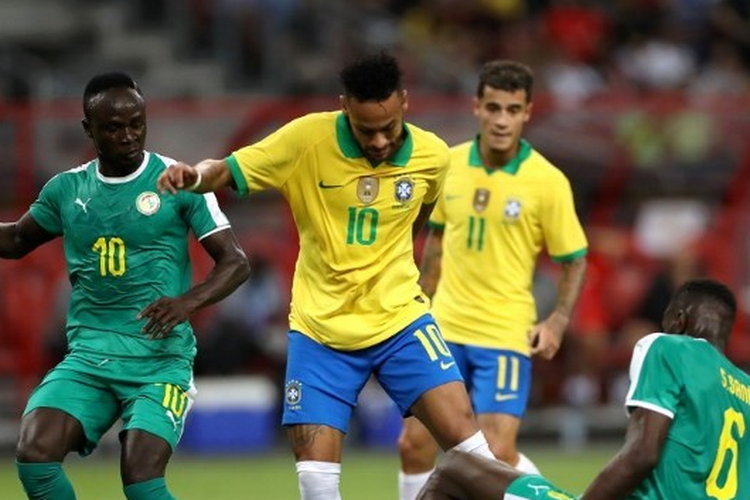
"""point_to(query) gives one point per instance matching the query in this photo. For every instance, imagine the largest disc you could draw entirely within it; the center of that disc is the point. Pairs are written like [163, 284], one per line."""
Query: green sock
[153, 489]
[45, 481]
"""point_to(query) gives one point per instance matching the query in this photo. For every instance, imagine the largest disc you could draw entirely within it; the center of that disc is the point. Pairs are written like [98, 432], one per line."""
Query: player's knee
[141, 468]
[31, 451]
[417, 451]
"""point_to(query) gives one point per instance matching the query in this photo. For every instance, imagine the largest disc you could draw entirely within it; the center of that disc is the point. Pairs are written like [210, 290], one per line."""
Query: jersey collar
[350, 149]
[524, 151]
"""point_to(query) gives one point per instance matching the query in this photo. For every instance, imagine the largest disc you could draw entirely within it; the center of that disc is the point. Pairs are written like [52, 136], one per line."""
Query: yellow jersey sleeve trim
[237, 175]
[571, 256]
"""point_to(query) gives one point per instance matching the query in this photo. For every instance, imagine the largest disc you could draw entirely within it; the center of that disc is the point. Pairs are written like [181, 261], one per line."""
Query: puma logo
[83, 204]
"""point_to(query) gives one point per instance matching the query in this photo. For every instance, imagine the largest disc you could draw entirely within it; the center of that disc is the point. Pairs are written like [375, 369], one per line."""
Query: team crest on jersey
[404, 189]
[293, 393]
[481, 199]
[512, 210]
[148, 203]
[367, 189]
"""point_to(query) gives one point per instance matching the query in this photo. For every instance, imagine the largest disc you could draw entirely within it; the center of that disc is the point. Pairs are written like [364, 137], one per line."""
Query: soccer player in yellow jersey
[359, 182]
[503, 202]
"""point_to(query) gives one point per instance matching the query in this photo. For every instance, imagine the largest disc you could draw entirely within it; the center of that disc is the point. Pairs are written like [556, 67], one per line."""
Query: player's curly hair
[503, 74]
[104, 82]
[372, 77]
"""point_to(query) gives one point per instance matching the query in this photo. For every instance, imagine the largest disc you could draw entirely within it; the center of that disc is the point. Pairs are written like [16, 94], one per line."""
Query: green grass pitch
[366, 475]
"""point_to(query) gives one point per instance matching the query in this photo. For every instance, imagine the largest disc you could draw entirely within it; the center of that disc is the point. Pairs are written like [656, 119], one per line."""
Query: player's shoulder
[71, 175]
[669, 346]
[540, 166]
[314, 124]
[158, 160]
[462, 149]
[426, 140]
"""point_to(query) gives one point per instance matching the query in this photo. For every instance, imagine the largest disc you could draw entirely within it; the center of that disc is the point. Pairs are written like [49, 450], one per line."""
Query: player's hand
[178, 176]
[546, 337]
[163, 315]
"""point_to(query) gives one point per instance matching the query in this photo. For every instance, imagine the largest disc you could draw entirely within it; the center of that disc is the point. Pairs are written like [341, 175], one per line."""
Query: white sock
[525, 465]
[318, 480]
[476, 444]
[410, 484]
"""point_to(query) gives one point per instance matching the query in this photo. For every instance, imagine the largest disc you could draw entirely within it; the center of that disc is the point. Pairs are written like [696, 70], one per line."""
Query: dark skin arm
[546, 337]
[639, 455]
[230, 270]
[468, 476]
[21, 237]
[422, 218]
[432, 256]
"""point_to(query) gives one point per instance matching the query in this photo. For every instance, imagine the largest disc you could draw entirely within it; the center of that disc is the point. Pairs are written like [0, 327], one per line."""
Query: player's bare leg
[418, 451]
[47, 435]
[317, 450]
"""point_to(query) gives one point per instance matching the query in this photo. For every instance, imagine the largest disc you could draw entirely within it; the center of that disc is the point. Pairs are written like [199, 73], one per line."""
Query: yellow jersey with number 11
[355, 282]
[496, 222]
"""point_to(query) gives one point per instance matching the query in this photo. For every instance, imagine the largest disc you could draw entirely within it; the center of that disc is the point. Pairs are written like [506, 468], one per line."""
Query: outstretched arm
[230, 270]
[21, 237]
[546, 337]
[208, 175]
[644, 442]
[468, 476]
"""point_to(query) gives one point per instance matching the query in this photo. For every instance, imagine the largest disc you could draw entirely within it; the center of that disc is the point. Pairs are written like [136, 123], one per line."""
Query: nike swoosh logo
[500, 397]
[445, 366]
[323, 185]
[449, 197]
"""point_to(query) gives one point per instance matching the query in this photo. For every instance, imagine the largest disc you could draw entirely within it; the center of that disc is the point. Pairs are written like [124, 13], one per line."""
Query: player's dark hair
[104, 82]
[707, 290]
[371, 78]
[510, 76]
[713, 306]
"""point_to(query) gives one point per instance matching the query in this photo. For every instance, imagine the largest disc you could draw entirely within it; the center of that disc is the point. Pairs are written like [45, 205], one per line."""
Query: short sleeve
[46, 208]
[204, 216]
[656, 380]
[563, 234]
[269, 163]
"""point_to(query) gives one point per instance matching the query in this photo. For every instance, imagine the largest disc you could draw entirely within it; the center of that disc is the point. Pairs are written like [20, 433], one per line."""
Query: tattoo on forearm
[571, 283]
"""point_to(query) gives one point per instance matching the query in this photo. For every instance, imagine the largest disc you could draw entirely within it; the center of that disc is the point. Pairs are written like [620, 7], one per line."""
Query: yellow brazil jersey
[496, 223]
[355, 282]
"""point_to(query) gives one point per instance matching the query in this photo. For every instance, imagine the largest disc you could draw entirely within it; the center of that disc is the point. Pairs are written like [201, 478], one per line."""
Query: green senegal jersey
[355, 281]
[496, 222]
[707, 450]
[126, 245]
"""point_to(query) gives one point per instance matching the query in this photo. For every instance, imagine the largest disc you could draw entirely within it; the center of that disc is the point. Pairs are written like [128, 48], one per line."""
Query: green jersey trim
[350, 148]
[512, 167]
[435, 225]
[239, 178]
[570, 256]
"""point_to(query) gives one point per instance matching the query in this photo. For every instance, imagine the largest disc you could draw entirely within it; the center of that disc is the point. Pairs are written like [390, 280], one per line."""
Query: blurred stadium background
[645, 104]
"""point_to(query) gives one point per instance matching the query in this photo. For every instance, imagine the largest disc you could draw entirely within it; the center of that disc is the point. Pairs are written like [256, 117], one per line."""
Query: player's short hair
[372, 77]
[104, 82]
[709, 292]
[503, 74]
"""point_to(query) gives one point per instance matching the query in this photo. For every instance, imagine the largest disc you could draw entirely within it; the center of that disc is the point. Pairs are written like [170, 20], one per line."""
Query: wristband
[196, 183]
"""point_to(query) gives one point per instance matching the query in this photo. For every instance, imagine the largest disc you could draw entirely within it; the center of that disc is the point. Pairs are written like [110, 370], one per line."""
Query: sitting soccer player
[689, 411]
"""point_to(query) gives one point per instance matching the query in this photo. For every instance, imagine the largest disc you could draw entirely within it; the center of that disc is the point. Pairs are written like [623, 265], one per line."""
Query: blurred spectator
[248, 333]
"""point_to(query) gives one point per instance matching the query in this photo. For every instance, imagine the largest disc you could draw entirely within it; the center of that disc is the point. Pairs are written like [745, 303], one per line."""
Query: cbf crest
[404, 189]
[148, 203]
[293, 394]
[481, 199]
[512, 210]
[367, 189]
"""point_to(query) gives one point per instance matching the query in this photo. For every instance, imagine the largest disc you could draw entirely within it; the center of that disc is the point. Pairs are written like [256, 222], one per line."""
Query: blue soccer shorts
[322, 384]
[498, 380]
